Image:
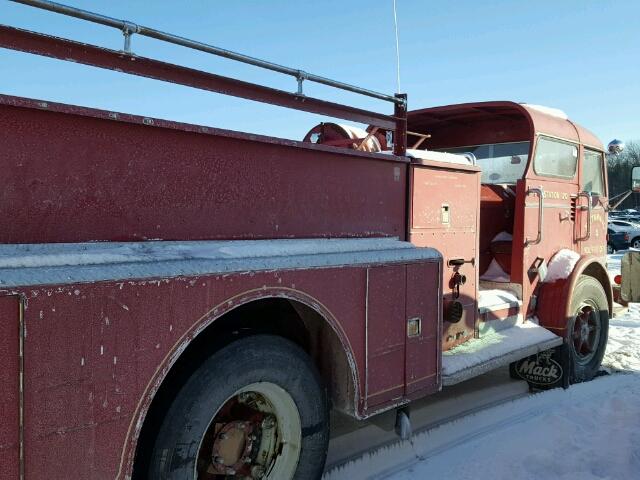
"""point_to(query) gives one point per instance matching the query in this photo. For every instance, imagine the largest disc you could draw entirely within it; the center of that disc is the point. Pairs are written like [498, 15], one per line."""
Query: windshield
[500, 162]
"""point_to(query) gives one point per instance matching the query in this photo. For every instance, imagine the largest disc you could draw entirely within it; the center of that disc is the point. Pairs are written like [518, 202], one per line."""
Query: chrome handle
[540, 192]
[586, 195]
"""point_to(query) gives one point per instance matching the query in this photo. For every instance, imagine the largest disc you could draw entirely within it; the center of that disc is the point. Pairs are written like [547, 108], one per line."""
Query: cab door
[590, 205]
[545, 220]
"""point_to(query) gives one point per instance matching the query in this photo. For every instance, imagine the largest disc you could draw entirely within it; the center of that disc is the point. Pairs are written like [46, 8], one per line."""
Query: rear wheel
[610, 249]
[588, 328]
[255, 409]
[635, 243]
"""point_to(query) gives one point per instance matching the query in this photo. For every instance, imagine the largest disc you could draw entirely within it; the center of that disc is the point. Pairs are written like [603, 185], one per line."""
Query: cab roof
[514, 119]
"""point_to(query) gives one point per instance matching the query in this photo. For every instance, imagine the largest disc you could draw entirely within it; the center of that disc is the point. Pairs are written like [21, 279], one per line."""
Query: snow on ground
[623, 348]
[590, 431]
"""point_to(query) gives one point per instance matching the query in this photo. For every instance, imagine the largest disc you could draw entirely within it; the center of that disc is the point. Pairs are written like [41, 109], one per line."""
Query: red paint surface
[95, 353]
[124, 180]
[63, 49]
[386, 335]
[459, 189]
[9, 387]
[422, 370]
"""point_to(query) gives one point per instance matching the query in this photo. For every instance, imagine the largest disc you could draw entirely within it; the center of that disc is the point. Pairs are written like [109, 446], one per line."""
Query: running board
[481, 355]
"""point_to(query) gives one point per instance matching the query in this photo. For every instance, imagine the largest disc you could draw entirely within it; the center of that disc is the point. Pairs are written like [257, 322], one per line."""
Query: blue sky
[582, 56]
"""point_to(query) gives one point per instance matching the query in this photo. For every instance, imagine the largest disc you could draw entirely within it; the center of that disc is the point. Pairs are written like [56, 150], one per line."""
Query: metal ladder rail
[130, 28]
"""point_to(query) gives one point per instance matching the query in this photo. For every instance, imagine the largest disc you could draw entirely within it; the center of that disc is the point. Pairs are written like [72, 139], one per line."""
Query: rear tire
[588, 329]
[257, 405]
[635, 243]
[610, 249]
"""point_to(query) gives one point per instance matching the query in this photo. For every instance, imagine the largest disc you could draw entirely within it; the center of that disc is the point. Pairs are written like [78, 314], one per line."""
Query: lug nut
[218, 460]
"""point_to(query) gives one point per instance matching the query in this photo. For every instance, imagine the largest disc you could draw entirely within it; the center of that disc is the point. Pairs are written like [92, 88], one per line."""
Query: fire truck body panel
[97, 352]
[447, 219]
[9, 387]
[169, 177]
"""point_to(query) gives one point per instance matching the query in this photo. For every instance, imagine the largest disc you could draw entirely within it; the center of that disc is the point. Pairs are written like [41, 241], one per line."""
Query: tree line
[619, 172]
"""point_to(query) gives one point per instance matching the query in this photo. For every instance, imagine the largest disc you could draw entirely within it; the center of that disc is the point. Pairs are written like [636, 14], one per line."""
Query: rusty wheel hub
[586, 333]
[246, 439]
[233, 447]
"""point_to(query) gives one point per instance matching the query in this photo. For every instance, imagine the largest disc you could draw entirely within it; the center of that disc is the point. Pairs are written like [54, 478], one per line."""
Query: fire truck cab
[514, 197]
[541, 202]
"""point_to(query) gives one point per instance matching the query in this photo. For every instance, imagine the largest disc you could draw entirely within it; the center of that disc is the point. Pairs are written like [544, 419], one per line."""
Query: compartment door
[10, 313]
[424, 327]
[385, 327]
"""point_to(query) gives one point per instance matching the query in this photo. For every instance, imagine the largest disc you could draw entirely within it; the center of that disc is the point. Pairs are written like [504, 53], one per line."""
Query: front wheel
[588, 329]
[255, 410]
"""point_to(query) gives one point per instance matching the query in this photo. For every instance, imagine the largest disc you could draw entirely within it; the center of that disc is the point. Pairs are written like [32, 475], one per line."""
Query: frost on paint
[561, 265]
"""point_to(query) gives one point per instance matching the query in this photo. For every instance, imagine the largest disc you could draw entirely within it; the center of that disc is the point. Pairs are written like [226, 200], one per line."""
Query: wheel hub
[244, 440]
[585, 333]
[233, 447]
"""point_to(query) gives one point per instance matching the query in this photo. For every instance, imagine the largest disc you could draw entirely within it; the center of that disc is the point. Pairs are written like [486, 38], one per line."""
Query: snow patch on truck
[495, 273]
[47, 264]
[561, 265]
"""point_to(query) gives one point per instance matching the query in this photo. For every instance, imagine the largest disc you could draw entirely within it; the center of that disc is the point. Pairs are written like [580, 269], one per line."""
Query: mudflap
[545, 370]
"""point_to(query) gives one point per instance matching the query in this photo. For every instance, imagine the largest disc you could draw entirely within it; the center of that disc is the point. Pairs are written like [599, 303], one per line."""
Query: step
[498, 309]
[494, 350]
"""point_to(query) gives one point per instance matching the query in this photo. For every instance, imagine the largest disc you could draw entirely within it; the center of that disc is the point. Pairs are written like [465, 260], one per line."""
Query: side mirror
[635, 179]
[630, 270]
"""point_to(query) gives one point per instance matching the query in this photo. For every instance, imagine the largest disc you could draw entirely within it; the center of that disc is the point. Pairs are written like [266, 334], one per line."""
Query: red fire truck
[186, 302]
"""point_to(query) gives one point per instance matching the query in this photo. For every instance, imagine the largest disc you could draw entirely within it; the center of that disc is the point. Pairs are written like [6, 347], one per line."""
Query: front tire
[588, 329]
[255, 408]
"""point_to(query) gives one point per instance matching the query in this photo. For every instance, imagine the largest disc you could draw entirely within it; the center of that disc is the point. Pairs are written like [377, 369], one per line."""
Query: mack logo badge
[540, 369]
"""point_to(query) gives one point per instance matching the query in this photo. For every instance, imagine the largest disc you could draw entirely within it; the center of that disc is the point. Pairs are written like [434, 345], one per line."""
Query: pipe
[129, 28]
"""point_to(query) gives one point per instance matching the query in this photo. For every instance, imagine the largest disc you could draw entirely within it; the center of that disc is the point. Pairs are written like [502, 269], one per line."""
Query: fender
[215, 313]
[554, 299]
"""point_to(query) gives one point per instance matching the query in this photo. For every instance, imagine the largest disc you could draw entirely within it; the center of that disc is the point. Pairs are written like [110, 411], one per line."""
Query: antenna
[395, 22]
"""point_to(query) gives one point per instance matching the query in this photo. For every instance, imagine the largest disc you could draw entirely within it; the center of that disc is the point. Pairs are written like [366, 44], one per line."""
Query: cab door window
[592, 174]
[555, 158]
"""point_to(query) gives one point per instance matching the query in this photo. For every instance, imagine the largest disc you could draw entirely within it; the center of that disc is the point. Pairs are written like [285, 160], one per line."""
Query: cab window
[592, 176]
[555, 158]
[501, 163]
